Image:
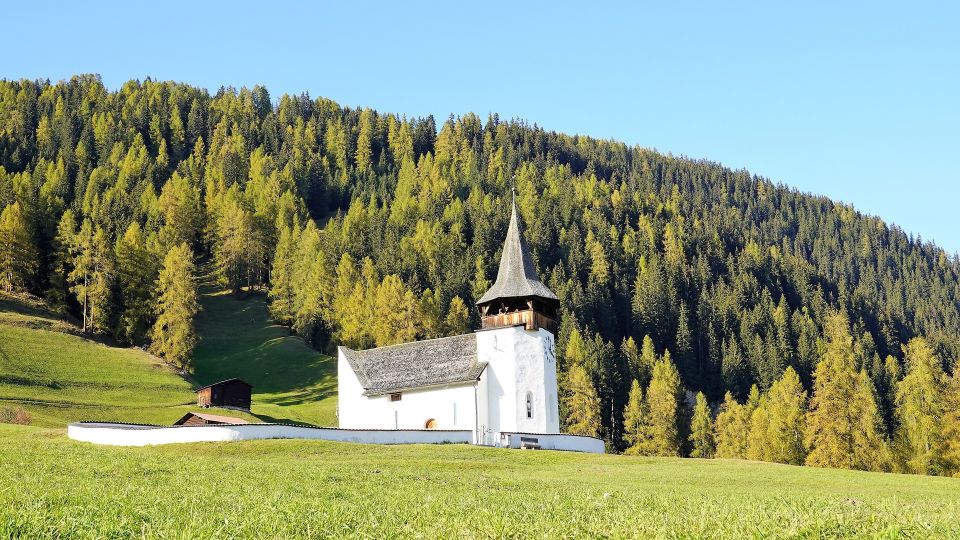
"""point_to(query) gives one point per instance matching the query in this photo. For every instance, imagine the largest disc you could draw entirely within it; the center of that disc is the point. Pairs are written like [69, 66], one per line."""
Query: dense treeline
[370, 228]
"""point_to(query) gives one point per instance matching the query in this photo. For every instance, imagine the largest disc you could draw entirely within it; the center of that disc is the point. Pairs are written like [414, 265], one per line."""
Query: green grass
[53, 487]
[60, 377]
[291, 381]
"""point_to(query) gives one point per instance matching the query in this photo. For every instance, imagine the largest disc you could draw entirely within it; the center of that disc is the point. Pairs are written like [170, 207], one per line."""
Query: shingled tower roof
[517, 277]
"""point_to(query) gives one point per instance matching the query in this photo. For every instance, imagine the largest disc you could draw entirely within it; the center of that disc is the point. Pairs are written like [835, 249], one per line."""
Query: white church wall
[521, 362]
[484, 434]
[133, 435]
[451, 407]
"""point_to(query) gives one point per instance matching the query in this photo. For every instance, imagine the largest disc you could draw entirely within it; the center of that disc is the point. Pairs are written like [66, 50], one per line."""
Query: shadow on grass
[238, 339]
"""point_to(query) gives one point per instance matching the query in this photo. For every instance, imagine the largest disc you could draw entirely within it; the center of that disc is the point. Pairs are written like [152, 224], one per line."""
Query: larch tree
[19, 259]
[920, 408]
[633, 418]
[731, 429]
[173, 332]
[136, 276]
[457, 320]
[92, 276]
[786, 414]
[757, 447]
[281, 293]
[661, 425]
[581, 404]
[843, 424]
[701, 429]
[239, 250]
[950, 428]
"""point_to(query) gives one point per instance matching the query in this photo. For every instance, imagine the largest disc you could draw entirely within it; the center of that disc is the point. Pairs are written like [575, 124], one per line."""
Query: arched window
[529, 404]
[430, 424]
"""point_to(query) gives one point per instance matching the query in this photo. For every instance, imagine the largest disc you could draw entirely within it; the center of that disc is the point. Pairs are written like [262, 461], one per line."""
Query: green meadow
[55, 487]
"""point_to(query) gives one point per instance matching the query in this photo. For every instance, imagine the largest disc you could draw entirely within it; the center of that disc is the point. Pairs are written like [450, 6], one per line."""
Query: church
[497, 381]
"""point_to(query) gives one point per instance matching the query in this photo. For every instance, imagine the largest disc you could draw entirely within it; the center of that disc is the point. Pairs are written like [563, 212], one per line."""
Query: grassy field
[53, 487]
[291, 381]
[59, 376]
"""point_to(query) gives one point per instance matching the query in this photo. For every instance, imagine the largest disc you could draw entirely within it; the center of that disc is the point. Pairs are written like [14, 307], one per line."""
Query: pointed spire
[517, 277]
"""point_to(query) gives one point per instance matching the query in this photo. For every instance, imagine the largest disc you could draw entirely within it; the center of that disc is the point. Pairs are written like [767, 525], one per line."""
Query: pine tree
[661, 428]
[731, 429]
[920, 408]
[701, 429]
[19, 259]
[633, 419]
[173, 332]
[843, 425]
[581, 404]
[786, 412]
[58, 290]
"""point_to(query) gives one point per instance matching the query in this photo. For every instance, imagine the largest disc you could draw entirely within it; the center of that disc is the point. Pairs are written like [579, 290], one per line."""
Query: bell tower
[518, 296]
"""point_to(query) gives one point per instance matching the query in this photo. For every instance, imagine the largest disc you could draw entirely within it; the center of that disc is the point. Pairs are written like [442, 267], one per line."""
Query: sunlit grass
[283, 489]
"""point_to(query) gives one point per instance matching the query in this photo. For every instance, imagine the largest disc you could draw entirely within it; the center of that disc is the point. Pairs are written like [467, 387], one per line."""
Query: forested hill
[373, 228]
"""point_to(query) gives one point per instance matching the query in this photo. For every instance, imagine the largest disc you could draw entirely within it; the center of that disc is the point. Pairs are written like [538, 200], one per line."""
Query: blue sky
[857, 101]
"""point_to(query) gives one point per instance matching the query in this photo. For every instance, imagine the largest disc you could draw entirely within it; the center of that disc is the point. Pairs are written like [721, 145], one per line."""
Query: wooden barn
[204, 419]
[228, 393]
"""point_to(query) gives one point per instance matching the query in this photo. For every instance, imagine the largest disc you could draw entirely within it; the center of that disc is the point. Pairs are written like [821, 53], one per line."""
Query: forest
[704, 311]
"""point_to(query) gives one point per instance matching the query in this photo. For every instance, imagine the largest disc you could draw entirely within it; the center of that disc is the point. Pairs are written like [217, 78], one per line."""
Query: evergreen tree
[19, 259]
[843, 425]
[173, 332]
[757, 442]
[633, 420]
[920, 409]
[581, 404]
[701, 429]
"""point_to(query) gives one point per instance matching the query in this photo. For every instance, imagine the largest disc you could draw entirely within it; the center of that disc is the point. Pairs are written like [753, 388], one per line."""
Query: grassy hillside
[291, 380]
[282, 489]
[59, 377]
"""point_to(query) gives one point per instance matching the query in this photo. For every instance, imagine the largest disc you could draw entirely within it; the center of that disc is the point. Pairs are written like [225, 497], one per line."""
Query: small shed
[228, 393]
[204, 419]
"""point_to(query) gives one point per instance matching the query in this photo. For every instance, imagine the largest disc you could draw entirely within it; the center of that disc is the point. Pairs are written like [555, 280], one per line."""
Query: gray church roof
[432, 362]
[517, 276]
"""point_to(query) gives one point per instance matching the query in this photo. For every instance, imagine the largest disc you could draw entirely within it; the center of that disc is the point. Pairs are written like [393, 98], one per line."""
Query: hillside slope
[291, 381]
[59, 377]
[285, 489]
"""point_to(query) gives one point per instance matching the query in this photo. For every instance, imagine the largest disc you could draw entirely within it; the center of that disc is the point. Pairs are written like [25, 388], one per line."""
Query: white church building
[499, 383]
[494, 387]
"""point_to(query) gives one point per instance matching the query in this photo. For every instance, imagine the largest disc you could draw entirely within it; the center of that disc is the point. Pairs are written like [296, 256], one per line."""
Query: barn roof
[213, 418]
[432, 362]
[226, 381]
[517, 276]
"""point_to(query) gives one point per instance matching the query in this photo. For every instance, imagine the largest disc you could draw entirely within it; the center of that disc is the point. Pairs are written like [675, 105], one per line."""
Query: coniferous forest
[704, 311]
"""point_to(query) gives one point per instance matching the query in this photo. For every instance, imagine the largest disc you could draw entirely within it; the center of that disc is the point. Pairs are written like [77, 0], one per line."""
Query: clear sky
[857, 101]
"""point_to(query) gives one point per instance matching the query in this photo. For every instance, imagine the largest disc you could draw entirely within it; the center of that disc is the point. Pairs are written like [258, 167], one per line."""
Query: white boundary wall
[554, 441]
[139, 435]
[134, 435]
